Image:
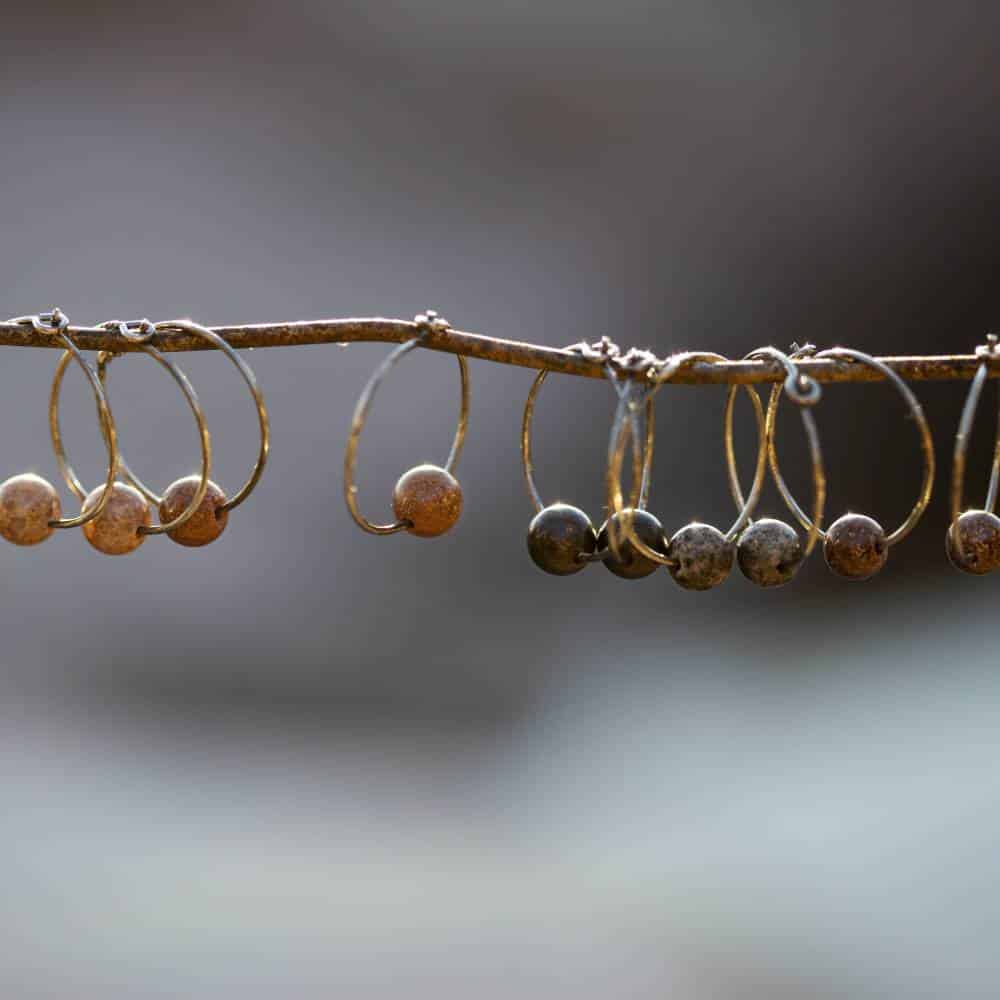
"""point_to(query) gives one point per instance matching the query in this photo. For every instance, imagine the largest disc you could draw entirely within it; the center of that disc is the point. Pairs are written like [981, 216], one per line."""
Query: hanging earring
[211, 514]
[561, 537]
[427, 500]
[30, 509]
[698, 556]
[856, 546]
[769, 551]
[126, 521]
[973, 538]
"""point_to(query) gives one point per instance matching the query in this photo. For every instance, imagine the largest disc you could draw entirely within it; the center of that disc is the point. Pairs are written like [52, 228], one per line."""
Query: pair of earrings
[115, 517]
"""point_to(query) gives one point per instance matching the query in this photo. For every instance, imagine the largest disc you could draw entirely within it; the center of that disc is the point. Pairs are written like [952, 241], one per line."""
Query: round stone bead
[558, 537]
[855, 547]
[973, 542]
[630, 564]
[28, 505]
[115, 531]
[429, 499]
[205, 524]
[703, 557]
[769, 552]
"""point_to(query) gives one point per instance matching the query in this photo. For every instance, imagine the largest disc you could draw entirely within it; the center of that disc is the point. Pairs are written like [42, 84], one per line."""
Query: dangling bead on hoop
[855, 546]
[30, 509]
[973, 539]
[427, 500]
[698, 556]
[769, 552]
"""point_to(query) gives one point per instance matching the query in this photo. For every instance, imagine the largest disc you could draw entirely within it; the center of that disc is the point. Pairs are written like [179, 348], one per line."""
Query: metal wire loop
[989, 354]
[247, 374]
[55, 323]
[804, 396]
[923, 429]
[616, 456]
[426, 322]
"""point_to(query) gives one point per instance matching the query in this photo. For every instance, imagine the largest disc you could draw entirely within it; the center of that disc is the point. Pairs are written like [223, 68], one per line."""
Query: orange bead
[429, 499]
[28, 505]
[205, 524]
[115, 531]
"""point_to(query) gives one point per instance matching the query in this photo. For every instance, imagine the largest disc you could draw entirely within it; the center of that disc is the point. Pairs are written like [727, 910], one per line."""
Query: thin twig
[509, 352]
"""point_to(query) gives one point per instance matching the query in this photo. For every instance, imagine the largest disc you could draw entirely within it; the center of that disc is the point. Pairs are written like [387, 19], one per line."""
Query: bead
[973, 542]
[28, 505]
[702, 556]
[558, 537]
[855, 547]
[769, 552]
[205, 524]
[429, 499]
[632, 564]
[115, 531]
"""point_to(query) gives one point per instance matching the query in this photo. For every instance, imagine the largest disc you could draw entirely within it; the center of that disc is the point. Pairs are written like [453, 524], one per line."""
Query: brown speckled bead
[429, 498]
[115, 532]
[558, 537]
[769, 552]
[973, 542]
[632, 565]
[855, 547]
[205, 524]
[28, 504]
[703, 556]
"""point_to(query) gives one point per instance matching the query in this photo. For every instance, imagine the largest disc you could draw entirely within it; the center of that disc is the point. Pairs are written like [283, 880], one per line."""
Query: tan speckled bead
[28, 505]
[205, 524]
[855, 547]
[429, 498]
[116, 531]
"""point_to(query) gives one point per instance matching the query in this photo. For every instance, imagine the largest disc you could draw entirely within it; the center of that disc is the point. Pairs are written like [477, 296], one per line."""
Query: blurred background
[305, 762]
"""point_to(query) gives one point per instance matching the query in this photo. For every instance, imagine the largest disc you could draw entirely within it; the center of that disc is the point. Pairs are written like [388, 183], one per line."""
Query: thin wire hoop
[805, 393]
[361, 411]
[926, 445]
[988, 354]
[616, 458]
[55, 324]
[641, 476]
[73, 481]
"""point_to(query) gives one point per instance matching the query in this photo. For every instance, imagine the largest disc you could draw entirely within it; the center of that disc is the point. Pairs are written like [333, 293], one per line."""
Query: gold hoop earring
[855, 546]
[769, 551]
[427, 500]
[561, 537]
[973, 538]
[126, 520]
[30, 509]
[211, 514]
[698, 556]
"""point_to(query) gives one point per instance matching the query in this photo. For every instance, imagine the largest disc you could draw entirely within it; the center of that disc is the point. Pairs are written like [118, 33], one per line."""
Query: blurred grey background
[305, 762]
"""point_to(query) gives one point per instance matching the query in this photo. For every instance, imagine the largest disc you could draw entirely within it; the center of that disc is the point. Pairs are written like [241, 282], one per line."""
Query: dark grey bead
[973, 542]
[559, 537]
[769, 552]
[632, 564]
[703, 557]
[855, 547]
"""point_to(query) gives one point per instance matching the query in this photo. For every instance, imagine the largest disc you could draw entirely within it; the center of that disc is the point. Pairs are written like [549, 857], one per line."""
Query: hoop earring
[856, 546]
[973, 538]
[427, 500]
[561, 537]
[30, 509]
[769, 551]
[699, 556]
[211, 514]
[126, 521]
